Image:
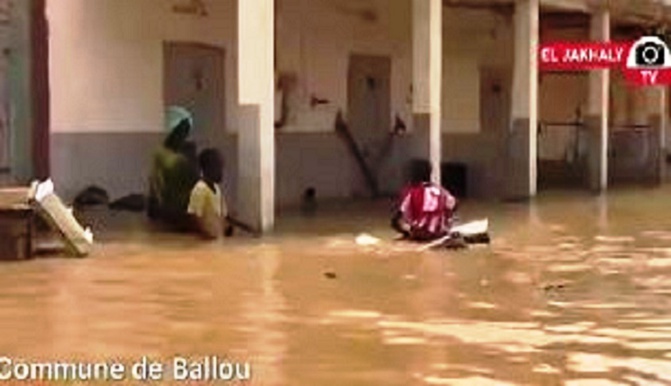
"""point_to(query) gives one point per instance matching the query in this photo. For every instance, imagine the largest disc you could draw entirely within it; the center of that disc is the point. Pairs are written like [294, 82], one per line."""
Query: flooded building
[454, 82]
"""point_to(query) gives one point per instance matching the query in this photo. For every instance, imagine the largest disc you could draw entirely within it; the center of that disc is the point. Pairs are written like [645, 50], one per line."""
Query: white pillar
[523, 135]
[597, 118]
[427, 78]
[256, 138]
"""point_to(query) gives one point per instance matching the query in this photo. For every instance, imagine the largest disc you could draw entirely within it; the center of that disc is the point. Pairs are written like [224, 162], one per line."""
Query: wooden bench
[16, 224]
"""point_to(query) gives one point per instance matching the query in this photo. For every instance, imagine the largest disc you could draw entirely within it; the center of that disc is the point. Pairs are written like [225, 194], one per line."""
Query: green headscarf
[175, 115]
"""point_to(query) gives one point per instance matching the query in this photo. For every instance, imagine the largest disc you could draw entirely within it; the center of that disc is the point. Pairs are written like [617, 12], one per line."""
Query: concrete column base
[249, 181]
[596, 175]
[256, 172]
[520, 161]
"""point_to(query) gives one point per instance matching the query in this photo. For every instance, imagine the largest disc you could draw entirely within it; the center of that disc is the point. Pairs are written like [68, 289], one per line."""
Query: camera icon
[649, 52]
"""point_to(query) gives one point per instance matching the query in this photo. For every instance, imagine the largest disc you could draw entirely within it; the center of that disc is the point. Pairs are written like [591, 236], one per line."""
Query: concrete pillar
[39, 38]
[597, 118]
[427, 79]
[523, 135]
[21, 107]
[256, 135]
[657, 103]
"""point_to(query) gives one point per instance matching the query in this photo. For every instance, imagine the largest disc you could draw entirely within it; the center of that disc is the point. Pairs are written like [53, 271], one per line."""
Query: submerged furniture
[18, 210]
[43, 198]
[16, 224]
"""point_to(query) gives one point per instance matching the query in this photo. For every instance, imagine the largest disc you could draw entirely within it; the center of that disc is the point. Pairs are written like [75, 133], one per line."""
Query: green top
[172, 179]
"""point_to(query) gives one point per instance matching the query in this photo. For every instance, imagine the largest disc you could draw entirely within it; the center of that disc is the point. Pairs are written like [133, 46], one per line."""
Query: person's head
[420, 172]
[211, 165]
[179, 123]
[177, 137]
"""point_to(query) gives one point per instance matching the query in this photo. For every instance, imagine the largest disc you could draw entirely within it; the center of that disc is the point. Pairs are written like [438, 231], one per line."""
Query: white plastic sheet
[78, 240]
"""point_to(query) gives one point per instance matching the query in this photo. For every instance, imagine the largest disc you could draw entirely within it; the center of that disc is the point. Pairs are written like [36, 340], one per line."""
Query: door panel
[194, 78]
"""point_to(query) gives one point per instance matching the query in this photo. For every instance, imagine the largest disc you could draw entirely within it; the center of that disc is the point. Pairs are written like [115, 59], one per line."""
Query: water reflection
[564, 295]
[266, 312]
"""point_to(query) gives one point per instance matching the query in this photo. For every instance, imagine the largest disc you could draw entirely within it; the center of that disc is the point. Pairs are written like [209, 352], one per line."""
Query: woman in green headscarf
[174, 172]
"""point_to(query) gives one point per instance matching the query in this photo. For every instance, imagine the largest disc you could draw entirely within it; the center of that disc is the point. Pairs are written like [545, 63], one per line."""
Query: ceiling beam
[644, 12]
[566, 5]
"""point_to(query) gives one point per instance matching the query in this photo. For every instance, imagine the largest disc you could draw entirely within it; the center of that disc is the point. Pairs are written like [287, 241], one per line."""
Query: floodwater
[574, 290]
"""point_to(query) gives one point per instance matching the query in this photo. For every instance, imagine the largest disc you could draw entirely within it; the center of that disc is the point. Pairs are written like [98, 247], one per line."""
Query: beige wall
[106, 71]
[106, 60]
[473, 39]
[315, 40]
[561, 94]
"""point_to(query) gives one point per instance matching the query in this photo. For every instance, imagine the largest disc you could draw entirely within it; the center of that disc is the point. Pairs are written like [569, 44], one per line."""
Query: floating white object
[88, 235]
[367, 240]
[78, 240]
[472, 228]
[40, 190]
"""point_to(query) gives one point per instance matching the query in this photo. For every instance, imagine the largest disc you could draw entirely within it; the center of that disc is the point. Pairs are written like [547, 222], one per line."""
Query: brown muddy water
[573, 290]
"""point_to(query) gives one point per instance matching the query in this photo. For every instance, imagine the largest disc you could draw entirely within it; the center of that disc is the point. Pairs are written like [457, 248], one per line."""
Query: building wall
[477, 43]
[563, 95]
[318, 47]
[107, 91]
[106, 69]
[107, 61]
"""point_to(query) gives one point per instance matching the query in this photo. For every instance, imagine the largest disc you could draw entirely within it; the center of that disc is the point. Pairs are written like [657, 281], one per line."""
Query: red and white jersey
[428, 209]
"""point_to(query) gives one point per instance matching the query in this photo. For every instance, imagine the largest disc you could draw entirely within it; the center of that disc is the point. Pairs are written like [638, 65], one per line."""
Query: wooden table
[16, 224]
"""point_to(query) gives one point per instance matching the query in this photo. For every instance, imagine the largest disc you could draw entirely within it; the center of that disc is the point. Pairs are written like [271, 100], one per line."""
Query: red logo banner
[646, 62]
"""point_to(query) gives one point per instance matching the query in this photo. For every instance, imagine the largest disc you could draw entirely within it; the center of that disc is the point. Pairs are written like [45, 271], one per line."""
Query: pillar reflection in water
[263, 310]
[602, 210]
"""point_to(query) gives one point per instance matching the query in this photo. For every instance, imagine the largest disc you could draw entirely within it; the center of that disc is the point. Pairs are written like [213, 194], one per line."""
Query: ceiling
[623, 12]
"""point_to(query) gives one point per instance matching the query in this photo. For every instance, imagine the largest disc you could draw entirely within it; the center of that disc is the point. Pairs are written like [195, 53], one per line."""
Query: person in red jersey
[425, 210]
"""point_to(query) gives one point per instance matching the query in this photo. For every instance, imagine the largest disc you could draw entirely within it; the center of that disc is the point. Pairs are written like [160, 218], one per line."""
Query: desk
[16, 224]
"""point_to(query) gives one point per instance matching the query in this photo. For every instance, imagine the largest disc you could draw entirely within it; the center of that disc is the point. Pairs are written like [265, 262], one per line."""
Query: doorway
[369, 117]
[194, 76]
[562, 141]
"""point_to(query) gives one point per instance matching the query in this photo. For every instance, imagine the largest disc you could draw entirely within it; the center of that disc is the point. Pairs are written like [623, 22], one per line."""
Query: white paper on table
[43, 189]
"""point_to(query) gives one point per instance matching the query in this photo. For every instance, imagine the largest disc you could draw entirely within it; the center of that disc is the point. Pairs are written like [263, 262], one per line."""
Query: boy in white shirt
[207, 205]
